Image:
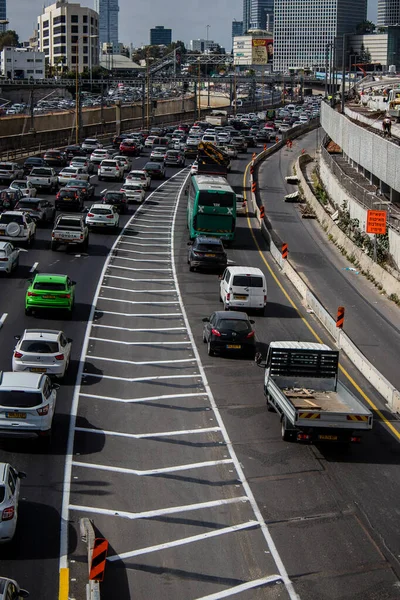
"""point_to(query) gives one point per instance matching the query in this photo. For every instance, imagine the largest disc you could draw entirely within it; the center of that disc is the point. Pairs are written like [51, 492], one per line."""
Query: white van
[243, 287]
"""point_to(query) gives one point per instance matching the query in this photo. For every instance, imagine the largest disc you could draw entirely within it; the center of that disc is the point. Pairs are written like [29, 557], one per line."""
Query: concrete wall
[372, 152]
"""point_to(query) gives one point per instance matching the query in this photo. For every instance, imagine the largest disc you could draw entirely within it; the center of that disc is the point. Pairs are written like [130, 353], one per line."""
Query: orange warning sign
[376, 221]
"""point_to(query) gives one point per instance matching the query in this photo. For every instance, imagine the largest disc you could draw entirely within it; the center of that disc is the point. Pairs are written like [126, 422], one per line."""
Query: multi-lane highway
[173, 454]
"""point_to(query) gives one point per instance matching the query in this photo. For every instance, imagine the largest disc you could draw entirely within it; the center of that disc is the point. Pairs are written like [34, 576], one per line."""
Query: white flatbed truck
[301, 384]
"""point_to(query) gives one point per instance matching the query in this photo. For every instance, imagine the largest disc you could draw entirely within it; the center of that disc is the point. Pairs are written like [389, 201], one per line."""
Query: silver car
[10, 589]
[42, 351]
[25, 187]
[134, 191]
[10, 480]
[9, 257]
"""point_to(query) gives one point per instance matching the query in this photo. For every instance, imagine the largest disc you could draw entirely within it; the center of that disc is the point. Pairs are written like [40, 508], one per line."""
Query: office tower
[108, 21]
[304, 28]
[3, 15]
[159, 36]
[388, 12]
[237, 29]
[261, 14]
[246, 15]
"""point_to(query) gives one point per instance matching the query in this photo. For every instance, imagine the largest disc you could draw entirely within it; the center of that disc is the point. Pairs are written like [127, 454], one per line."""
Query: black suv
[31, 162]
[207, 253]
[117, 199]
[69, 199]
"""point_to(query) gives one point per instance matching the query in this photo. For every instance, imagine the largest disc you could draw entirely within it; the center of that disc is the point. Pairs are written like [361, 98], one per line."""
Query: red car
[129, 147]
[270, 124]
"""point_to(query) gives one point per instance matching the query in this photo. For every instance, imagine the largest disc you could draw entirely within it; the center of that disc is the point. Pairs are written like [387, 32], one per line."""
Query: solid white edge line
[243, 587]
[266, 533]
[2, 319]
[63, 560]
[189, 540]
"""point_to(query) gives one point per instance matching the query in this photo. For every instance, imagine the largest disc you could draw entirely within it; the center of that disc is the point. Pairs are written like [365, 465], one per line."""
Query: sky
[187, 18]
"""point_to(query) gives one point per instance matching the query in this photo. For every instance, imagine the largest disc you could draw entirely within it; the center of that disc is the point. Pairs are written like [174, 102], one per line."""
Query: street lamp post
[91, 37]
[199, 86]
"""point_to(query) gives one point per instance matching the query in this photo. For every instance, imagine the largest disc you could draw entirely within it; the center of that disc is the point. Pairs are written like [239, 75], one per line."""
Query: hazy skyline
[138, 17]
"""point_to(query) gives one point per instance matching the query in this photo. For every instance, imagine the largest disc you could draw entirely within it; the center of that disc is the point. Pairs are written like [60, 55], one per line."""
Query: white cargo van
[244, 288]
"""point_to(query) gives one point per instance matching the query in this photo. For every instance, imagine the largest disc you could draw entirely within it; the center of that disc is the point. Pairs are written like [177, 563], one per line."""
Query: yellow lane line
[64, 585]
[306, 323]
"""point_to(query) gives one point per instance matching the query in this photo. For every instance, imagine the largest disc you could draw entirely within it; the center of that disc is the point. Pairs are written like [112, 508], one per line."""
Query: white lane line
[141, 219]
[154, 303]
[5, 315]
[158, 238]
[144, 329]
[145, 398]
[266, 533]
[119, 289]
[143, 436]
[243, 587]
[66, 493]
[114, 266]
[143, 363]
[141, 379]
[157, 315]
[148, 260]
[150, 514]
[155, 343]
[139, 279]
[149, 472]
[189, 540]
[142, 245]
[34, 267]
[147, 253]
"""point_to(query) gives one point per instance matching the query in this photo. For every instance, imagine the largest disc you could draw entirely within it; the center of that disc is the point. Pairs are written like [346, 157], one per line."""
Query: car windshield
[49, 286]
[233, 325]
[39, 346]
[246, 281]
[108, 163]
[6, 219]
[20, 399]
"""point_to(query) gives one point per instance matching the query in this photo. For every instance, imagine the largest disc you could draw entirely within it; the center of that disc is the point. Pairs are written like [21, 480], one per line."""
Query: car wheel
[54, 246]
[28, 311]
[204, 338]
[270, 406]
[45, 442]
[210, 350]
[191, 268]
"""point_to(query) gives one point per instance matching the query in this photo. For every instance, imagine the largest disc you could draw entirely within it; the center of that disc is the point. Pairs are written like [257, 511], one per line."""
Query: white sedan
[72, 173]
[25, 186]
[134, 191]
[102, 216]
[98, 155]
[9, 257]
[194, 169]
[42, 351]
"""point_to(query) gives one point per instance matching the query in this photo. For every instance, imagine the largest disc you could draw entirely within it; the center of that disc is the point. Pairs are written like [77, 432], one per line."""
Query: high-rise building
[68, 35]
[261, 14]
[202, 45]
[237, 29]
[108, 21]
[388, 13]
[305, 29]
[246, 15]
[3, 14]
[159, 36]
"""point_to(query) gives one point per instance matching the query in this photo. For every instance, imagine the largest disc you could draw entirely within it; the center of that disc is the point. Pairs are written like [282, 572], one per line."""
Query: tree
[365, 27]
[9, 38]
[365, 55]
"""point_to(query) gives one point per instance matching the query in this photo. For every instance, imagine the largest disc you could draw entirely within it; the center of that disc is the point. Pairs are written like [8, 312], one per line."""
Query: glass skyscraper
[3, 14]
[246, 15]
[388, 12]
[108, 21]
[261, 14]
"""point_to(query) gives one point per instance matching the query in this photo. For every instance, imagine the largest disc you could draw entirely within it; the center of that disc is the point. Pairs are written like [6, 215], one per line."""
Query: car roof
[246, 271]
[53, 276]
[44, 334]
[4, 244]
[20, 380]
[232, 314]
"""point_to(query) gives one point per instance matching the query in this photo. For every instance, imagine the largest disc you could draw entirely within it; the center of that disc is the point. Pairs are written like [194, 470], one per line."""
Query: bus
[211, 208]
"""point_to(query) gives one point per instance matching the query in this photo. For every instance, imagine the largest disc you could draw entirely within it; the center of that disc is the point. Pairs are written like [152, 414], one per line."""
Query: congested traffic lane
[32, 558]
[331, 513]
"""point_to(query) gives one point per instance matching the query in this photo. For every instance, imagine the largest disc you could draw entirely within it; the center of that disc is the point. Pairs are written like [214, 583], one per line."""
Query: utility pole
[32, 114]
[343, 72]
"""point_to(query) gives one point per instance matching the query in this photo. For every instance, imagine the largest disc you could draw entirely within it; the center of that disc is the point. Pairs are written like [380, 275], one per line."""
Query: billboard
[262, 51]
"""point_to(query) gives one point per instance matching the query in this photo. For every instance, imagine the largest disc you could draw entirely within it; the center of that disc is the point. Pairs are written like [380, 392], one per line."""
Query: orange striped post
[99, 555]
[254, 187]
[285, 250]
[265, 147]
[251, 169]
[254, 155]
[262, 212]
[276, 139]
[340, 317]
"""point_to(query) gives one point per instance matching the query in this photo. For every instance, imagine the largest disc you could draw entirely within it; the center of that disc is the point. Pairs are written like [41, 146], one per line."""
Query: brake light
[58, 196]
[18, 354]
[90, 215]
[355, 438]
[3, 259]
[110, 216]
[8, 514]
[64, 296]
[215, 332]
[200, 254]
[303, 437]
[43, 411]
[265, 299]
[59, 357]
[32, 294]
[228, 296]
[117, 168]
[250, 335]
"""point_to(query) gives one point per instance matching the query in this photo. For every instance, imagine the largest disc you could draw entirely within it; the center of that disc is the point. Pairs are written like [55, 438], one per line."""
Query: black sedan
[207, 253]
[73, 150]
[85, 187]
[155, 170]
[31, 162]
[117, 199]
[229, 331]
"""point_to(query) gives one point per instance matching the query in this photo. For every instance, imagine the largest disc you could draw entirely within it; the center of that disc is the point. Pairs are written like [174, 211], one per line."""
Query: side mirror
[206, 320]
[252, 322]
[69, 340]
[220, 277]
[23, 594]
[56, 386]
[190, 243]
[17, 337]
[21, 474]
[29, 280]
[73, 282]
[186, 192]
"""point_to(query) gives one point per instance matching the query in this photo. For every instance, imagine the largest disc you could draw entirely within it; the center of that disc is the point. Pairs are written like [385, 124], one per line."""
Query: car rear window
[209, 248]
[4, 167]
[68, 224]
[49, 286]
[28, 205]
[52, 155]
[233, 325]
[116, 196]
[2, 496]
[5, 219]
[100, 211]
[109, 163]
[44, 172]
[248, 281]
[39, 346]
[20, 399]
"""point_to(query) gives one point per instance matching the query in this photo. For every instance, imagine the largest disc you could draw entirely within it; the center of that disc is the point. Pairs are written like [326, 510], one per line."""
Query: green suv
[50, 291]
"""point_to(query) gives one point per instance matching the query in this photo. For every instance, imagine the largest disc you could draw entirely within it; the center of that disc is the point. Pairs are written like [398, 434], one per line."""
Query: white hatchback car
[17, 226]
[42, 351]
[10, 481]
[25, 186]
[124, 163]
[72, 173]
[102, 216]
[98, 155]
[110, 169]
[134, 191]
[27, 405]
[194, 169]
[9, 257]
[139, 176]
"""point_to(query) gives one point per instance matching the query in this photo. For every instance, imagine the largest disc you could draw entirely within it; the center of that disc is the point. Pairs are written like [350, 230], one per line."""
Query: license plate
[48, 297]
[210, 255]
[68, 198]
[233, 346]
[37, 370]
[2, 232]
[16, 415]
[332, 438]
[240, 297]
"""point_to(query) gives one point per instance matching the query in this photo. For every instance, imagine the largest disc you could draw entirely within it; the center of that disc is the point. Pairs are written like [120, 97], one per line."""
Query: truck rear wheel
[270, 406]
[286, 433]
